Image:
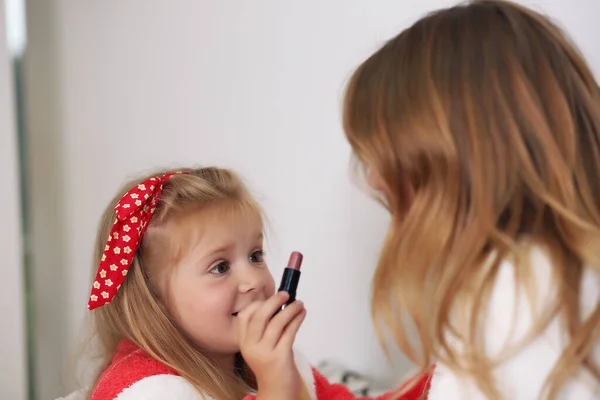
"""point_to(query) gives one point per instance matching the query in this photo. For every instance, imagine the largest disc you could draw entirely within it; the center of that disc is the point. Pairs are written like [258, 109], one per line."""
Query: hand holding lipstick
[267, 331]
[266, 343]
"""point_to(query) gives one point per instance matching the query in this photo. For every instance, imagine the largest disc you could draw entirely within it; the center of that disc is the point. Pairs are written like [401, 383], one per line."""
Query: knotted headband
[134, 211]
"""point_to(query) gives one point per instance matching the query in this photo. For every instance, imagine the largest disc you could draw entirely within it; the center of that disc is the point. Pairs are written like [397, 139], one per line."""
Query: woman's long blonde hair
[137, 313]
[492, 117]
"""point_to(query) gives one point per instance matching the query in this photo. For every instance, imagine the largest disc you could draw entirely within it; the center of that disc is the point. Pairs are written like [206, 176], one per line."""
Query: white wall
[129, 85]
[13, 359]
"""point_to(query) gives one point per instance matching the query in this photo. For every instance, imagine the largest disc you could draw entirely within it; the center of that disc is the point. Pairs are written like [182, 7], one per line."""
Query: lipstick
[291, 277]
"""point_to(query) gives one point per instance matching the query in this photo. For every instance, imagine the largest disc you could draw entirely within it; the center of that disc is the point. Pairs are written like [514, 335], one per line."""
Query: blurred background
[95, 92]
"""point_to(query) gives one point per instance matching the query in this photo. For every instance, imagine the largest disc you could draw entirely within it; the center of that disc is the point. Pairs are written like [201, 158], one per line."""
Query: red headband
[134, 212]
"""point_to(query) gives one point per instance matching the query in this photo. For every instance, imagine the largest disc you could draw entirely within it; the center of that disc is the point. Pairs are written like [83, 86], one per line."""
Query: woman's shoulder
[515, 303]
[516, 307]
[509, 320]
[133, 374]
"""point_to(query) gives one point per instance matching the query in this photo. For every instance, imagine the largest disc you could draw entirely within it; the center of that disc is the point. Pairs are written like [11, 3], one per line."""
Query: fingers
[278, 324]
[289, 333]
[266, 340]
[256, 317]
[244, 318]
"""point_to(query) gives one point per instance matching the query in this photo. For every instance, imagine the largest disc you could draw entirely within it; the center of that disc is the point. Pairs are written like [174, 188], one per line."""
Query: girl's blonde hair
[483, 122]
[137, 313]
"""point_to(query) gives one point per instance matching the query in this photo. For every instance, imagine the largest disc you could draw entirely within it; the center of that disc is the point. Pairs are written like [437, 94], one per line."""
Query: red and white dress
[134, 375]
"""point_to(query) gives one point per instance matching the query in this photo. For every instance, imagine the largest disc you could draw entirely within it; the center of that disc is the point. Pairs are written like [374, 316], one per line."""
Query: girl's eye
[257, 256]
[220, 269]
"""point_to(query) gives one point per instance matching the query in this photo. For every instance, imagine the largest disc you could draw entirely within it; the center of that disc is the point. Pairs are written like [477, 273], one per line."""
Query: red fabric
[422, 383]
[134, 212]
[131, 365]
[328, 391]
[128, 366]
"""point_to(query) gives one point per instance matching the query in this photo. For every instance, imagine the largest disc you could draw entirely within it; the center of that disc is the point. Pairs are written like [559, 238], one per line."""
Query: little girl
[182, 291]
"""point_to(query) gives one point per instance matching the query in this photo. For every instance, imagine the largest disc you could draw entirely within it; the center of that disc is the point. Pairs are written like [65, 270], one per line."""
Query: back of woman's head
[138, 312]
[492, 118]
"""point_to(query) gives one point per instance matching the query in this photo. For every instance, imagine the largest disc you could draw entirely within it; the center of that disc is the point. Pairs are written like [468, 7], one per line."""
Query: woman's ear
[376, 183]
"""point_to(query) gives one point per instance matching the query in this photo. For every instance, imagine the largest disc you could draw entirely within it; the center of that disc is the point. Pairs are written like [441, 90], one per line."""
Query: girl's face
[220, 274]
